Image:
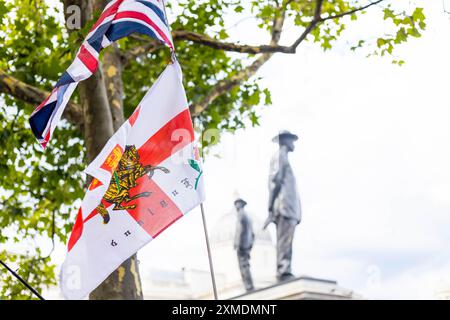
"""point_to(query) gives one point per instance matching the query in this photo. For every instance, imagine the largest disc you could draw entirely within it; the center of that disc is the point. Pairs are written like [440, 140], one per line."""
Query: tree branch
[340, 15]
[225, 85]
[185, 35]
[179, 35]
[266, 51]
[34, 96]
[310, 27]
[318, 19]
[134, 53]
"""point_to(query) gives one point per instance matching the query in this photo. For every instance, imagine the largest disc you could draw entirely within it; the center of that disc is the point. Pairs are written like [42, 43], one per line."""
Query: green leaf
[194, 165]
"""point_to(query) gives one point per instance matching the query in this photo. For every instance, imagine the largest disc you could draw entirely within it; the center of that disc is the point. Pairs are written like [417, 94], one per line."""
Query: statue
[243, 243]
[284, 203]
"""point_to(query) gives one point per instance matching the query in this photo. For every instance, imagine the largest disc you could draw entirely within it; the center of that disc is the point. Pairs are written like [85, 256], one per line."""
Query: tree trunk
[124, 283]
[112, 64]
[98, 127]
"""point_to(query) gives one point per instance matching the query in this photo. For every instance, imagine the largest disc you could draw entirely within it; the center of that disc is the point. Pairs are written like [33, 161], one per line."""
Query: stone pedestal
[301, 288]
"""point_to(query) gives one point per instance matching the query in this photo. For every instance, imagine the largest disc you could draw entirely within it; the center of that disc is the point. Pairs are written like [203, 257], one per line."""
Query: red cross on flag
[147, 176]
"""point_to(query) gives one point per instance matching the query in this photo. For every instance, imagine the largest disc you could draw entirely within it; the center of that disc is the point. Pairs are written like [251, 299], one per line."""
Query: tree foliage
[39, 191]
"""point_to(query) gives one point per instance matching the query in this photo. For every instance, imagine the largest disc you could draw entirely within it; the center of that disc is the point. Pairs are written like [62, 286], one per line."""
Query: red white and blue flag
[147, 176]
[119, 19]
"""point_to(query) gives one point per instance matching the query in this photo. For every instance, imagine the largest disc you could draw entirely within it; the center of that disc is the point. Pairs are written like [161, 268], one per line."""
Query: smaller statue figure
[243, 243]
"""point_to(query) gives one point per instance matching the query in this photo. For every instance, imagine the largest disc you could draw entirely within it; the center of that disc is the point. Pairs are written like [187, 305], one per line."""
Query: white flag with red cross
[147, 176]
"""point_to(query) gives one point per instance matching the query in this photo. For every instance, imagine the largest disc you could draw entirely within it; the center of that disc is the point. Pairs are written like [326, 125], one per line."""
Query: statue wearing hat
[284, 202]
[243, 243]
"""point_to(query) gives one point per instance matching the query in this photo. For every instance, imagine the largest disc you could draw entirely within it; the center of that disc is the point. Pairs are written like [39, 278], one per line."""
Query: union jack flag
[119, 19]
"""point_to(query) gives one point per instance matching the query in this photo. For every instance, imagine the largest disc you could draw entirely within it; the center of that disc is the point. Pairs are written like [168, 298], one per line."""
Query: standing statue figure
[243, 243]
[284, 203]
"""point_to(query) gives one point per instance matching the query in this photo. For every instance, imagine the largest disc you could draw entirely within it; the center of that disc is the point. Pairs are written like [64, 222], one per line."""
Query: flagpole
[208, 248]
[22, 280]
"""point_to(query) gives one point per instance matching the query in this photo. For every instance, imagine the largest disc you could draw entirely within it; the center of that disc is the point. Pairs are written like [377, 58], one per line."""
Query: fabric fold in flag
[119, 19]
[147, 177]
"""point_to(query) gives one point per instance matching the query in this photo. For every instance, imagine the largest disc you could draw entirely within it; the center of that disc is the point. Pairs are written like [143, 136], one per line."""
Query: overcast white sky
[372, 164]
